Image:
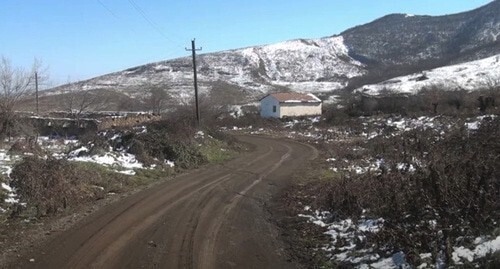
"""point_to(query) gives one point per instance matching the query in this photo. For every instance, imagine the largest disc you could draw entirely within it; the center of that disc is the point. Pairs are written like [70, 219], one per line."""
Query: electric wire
[108, 9]
[145, 16]
[150, 21]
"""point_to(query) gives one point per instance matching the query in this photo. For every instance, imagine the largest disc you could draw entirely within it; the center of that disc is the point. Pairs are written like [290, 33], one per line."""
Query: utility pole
[193, 50]
[36, 91]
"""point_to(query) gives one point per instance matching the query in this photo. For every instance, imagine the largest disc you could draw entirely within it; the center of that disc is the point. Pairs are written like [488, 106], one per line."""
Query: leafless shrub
[436, 188]
[77, 102]
[51, 185]
[173, 139]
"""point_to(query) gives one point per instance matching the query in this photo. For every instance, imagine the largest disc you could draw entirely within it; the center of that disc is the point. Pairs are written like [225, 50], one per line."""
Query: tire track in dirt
[185, 223]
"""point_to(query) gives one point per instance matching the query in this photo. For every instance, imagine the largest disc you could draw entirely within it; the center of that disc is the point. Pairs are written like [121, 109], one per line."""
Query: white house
[289, 104]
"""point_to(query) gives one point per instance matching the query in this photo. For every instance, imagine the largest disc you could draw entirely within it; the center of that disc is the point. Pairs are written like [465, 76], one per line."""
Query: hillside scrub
[177, 141]
[51, 185]
[434, 190]
[436, 100]
[46, 185]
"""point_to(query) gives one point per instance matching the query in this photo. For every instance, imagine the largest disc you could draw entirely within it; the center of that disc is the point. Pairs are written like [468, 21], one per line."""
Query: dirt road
[213, 217]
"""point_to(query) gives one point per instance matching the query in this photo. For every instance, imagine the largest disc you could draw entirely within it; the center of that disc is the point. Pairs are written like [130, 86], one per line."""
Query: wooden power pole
[193, 50]
[36, 92]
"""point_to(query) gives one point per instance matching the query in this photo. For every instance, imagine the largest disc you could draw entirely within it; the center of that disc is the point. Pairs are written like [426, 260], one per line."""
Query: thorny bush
[168, 139]
[51, 185]
[432, 189]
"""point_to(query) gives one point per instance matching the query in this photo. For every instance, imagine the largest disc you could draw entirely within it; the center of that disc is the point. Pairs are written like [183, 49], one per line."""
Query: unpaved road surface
[213, 217]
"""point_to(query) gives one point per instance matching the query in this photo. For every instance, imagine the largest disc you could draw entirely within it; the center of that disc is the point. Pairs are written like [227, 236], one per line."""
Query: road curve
[214, 217]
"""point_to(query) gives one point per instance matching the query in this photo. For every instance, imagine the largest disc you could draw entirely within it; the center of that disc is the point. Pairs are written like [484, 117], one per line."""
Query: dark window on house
[274, 109]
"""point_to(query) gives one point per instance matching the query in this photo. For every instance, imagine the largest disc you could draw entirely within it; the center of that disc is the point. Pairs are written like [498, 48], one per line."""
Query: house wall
[300, 109]
[266, 107]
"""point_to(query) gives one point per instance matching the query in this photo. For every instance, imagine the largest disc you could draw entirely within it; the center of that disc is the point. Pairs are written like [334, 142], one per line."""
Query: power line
[109, 10]
[130, 26]
[148, 20]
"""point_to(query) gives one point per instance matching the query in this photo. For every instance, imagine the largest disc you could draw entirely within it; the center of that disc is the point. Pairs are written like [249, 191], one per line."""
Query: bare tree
[79, 102]
[15, 83]
[490, 84]
[157, 99]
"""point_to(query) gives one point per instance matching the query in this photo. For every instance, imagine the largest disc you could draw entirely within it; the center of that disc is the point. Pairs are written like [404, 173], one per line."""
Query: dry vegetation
[47, 186]
[428, 184]
[436, 186]
[432, 101]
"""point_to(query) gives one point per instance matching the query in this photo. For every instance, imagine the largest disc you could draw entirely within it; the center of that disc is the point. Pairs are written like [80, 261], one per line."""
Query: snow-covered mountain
[303, 65]
[480, 74]
[392, 46]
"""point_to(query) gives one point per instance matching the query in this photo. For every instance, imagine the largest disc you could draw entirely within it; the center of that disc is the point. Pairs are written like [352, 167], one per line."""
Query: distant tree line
[434, 100]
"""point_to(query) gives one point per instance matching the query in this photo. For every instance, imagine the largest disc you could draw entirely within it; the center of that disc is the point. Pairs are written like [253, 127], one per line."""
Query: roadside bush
[431, 189]
[51, 185]
[166, 140]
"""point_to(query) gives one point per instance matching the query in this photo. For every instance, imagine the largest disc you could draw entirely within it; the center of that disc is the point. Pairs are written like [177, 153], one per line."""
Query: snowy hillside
[429, 41]
[392, 46]
[468, 76]
[302, 65]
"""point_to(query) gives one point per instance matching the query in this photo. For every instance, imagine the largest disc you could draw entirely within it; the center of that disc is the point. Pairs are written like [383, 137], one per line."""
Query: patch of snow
[115, 137]
[75, 153]
[236, 111]
[481, 250]
[345, 233]
[112, 159]
[199, 134]
[472, 125]
[397, 261]
[169, 163]
[7, 187]
[12, 200]
[126, 172]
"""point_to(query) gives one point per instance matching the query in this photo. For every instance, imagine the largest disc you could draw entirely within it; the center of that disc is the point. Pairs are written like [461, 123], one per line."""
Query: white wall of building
[300, 109]
[269, 107]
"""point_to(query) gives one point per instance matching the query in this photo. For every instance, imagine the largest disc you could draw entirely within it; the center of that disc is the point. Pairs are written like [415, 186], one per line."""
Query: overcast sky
[86, 38]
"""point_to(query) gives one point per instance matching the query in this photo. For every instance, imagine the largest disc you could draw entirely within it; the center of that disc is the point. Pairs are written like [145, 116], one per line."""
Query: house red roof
[294, 97]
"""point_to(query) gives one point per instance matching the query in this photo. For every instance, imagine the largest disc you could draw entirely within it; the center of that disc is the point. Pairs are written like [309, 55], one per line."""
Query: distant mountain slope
[302, 65]
[480, 74]
[402, 39]
[391, 46]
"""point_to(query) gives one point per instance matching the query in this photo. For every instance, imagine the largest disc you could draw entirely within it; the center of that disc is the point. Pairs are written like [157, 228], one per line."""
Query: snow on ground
[473, 124]
[483, 247]
[382, 126]
[469, 76]
[346, 234]
[119, 161]
[122, 162]
[7, 162]
[11, 195]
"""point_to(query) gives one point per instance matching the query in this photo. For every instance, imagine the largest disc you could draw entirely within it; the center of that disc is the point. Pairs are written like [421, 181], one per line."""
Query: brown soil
[215, 217]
